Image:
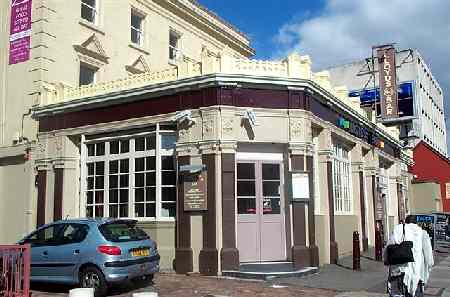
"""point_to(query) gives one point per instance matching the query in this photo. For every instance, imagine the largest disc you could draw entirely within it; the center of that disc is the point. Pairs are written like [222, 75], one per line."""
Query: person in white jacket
[419, 270]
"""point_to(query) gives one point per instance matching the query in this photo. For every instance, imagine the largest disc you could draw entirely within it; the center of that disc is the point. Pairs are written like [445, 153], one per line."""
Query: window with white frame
[174, 40]
[341, 179]
[137, 27]
[89, 10]
[131, 176]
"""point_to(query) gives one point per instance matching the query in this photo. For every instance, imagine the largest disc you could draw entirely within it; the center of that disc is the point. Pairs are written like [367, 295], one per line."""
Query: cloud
[347, 29]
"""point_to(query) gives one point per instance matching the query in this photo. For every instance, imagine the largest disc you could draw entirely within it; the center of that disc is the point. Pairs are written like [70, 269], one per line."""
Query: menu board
[300, 185]
[427, 224]
[195, 192]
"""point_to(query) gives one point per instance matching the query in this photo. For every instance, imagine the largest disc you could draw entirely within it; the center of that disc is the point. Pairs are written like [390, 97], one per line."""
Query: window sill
[139, 48]
[91, 26]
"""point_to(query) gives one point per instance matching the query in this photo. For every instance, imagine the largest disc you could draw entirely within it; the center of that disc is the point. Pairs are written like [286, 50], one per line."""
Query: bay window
[131, 176]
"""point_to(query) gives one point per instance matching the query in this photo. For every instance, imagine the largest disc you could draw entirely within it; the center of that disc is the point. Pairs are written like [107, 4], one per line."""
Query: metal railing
[15, 270]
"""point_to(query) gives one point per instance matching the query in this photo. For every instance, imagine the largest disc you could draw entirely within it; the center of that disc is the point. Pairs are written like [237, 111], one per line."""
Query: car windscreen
[122, 232]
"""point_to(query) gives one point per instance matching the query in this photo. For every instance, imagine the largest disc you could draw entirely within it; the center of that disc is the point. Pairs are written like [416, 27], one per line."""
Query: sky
[334, 32]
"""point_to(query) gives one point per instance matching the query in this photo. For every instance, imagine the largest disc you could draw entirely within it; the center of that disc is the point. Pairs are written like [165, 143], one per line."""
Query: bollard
[378, 243]
[356, 252]
[145, 294]
[82, 292]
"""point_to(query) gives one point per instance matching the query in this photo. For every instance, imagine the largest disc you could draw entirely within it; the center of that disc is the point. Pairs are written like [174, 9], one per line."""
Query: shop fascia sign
[360, 132]
[388, 81]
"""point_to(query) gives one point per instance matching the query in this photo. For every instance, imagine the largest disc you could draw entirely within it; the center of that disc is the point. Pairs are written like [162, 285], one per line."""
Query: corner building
[249, 126]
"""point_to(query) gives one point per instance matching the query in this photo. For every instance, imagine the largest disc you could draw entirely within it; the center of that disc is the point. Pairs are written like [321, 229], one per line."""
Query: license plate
[140, 253]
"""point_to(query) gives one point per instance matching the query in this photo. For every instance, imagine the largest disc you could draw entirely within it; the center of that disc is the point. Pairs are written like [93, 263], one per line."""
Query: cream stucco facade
[62, 40]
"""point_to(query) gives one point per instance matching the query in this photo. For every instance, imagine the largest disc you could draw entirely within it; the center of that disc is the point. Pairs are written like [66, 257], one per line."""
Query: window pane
[113, 167]
[113, 181]
[89, 2]
[136, 21]
[150, 163]
[245, 171]
[139, 164]
[246, 188]
[87, 75]
[173, 39]
[99, 182]
[271, 171]
[246, 206]
[123, 196]
[89, 211]
[150, 179]
[167, 163]
[139, 210]
[124, 181]
[87, 13]
[123, 210]
[99, 168]
[90, 168]
[91, 149]
[271, 188]
[113, 211]
[125, 146]
[113, 196]
[168, 178]
[99, 211]
[151, 142]
[90, 183]
[98, 197]
[114, 147]
[139, 144]
[139, 180]
[168, 141]
[124, 166]
[168, 210]
[150, 210]
[135, 36]
[89, 197]
[271, 206]
[139, 195]
[100, 149]
[169, 194]
[150, 194]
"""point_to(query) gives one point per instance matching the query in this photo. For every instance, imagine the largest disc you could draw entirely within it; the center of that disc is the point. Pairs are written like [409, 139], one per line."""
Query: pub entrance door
[260, 211]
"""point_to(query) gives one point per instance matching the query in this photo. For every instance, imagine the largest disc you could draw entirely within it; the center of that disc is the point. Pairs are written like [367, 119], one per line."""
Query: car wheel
[92, 277]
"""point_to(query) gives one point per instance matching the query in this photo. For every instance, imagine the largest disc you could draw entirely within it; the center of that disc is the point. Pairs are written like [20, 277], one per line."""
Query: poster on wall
[20, 31]
[299, 186]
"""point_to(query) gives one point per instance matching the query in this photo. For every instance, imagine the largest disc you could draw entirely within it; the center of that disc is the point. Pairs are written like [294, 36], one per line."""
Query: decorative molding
[208, 128]
[139, 66]
[357, 167]
[301, 148]
[228, 127]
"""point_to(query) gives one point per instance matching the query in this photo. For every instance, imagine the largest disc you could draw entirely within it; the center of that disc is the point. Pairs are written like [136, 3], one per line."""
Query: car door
[42, 241]
[67, 254]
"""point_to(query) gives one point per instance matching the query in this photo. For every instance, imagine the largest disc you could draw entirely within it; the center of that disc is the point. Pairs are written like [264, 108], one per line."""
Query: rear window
[121, 232]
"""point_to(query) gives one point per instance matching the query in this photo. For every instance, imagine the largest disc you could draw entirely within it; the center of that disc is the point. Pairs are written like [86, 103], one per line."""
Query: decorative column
[314, 249]
[229, 254]
[334, 251]
[208, 258]
[358, 171]
[41, 183]
[183, 250]
[301, 255]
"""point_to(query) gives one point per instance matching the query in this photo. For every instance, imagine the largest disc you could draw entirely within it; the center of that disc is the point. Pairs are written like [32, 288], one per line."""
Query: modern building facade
[421, 100]
[431, 185]
[80, 42]
[224, 161]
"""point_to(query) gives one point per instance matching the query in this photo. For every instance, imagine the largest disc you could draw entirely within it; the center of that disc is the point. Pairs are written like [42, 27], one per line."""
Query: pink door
[260, 208]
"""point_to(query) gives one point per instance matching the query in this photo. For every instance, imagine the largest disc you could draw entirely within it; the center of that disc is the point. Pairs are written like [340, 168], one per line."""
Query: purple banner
[20, 31]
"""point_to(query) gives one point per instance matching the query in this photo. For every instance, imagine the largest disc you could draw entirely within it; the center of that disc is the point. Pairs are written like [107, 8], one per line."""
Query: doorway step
[269, 270]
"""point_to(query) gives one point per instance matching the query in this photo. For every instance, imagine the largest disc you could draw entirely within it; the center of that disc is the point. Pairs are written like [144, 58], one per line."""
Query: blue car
[93, 253]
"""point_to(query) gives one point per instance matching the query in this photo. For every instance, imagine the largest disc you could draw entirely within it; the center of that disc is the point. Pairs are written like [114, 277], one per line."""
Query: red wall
[430, 165]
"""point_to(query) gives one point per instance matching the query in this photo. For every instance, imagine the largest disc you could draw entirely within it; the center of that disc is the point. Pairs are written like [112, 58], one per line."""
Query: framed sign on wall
[299, 186]
[195, 191]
